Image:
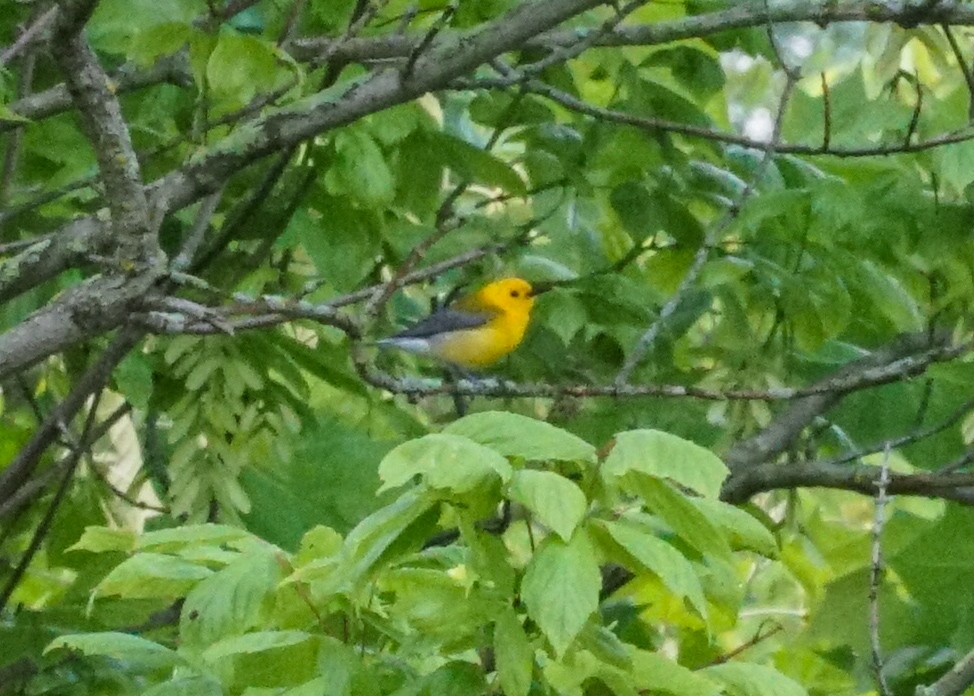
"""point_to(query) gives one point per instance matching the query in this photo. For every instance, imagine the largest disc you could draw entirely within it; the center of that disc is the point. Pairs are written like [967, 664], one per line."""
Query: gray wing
[444, 320]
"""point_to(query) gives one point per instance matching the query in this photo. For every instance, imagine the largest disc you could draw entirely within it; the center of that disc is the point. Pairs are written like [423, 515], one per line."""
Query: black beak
[539, 288]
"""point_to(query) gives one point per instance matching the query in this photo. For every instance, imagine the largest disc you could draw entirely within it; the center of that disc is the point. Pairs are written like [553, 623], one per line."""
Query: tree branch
[102, 121]
[781, 432]
[953, 683]
[169, 70]
[744, 15]
[651, 123]
[860, 478]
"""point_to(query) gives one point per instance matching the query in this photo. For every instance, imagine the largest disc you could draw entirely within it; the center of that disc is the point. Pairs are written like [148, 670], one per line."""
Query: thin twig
[561, 54]
[28, 36]
[40, 532]
[446, 222]
[964, 68]
[653, 124]
[893, 371]
[28, 492]
[826, 114]
[876, 573]
[911, 437]
[646, 341]
[759, 636]
[23, 465]
[428, 38]
[917, 108]
[196, 234]
[12, 155]
[293, 15]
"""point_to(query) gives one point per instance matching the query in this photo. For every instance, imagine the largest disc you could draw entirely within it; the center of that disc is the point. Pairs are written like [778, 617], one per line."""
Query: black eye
[515, 293]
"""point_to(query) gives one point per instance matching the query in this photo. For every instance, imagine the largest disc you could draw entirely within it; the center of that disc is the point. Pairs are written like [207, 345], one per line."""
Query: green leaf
[229, 601]
[7, 114]
[133, 377]
[160, 40]
[664, 455]
[680, 514]
[150, 575]
[99, 539]
[605, 645]
[457, 678]
[513, 653]
[256, 642]
[743, 530]
[378, 536]
[557, 502]
[655, 672]
[119, 646]
[171, 540]
[186, 686]
[341, 241]
[443, 461]
[561, 587]
[472, 163]
[661, 559]
[891, 298]
[636, 209]
[239, 66]
[514, 435]
[362, 167]
[743, 679]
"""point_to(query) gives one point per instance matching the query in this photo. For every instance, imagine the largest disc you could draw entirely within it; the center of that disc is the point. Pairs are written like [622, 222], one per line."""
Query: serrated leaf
[557, 502]
[605, 645]
[99, 539]
[186, 686]
[133, 376]
[513, 653]
[743, 530]
[150, 575]
[514, 435]
[443, 461]
[661, 559]
[890, 298]
[743, 679]
[680, 514]
[229, 601]
[473, 163]
[363, 168]
[379, 534]
[655, 672]
[664, 455]
[120, 646]
[239, 66]
[560, 589]
[191, 535]
[249, 643]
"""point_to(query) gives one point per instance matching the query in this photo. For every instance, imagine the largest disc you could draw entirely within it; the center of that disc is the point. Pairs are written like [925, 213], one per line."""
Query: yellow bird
[476, 330]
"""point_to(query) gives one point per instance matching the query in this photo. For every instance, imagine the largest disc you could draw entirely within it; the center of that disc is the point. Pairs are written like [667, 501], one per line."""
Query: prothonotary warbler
[476, 330]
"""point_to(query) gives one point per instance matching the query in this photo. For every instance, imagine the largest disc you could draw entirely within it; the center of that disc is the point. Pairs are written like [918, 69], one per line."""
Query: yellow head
[507, 296]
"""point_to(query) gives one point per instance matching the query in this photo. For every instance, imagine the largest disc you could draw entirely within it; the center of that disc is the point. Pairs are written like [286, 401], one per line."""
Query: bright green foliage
[383, 609]
[226, 536]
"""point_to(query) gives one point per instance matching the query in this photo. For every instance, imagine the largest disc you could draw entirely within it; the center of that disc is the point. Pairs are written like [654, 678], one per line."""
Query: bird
[475, 331]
